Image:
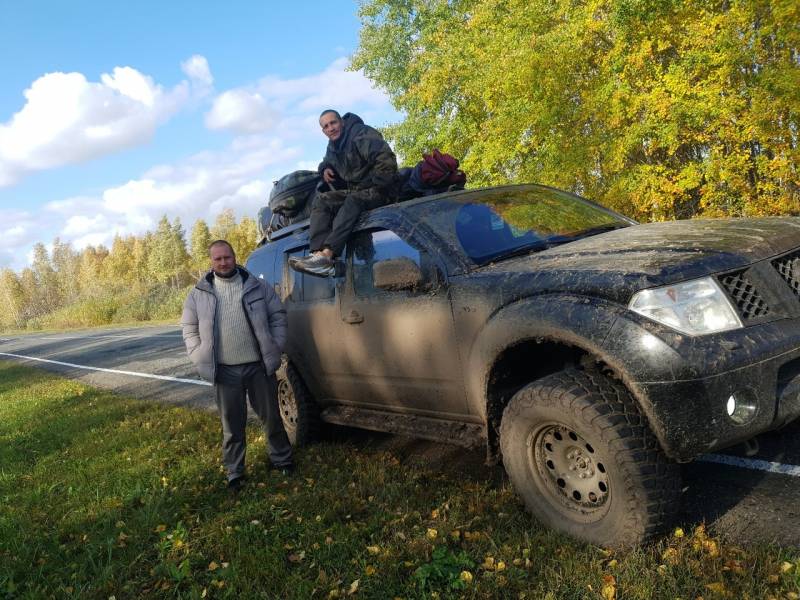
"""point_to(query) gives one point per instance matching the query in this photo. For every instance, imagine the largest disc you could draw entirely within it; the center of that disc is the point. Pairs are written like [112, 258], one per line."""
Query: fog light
[740, 411]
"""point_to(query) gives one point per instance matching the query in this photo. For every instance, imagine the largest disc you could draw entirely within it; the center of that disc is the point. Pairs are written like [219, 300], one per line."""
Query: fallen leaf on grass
[432, 533]
[711, 548]
[213, 566]
[370, 570]
[296, 558]
[609, 589]
[786, 567]
[466, 577]
[374, 549]
[353, 587]
[670, 556]
[735, 566]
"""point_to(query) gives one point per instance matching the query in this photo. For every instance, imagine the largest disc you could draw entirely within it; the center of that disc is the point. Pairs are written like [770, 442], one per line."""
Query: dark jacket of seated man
[361, 171]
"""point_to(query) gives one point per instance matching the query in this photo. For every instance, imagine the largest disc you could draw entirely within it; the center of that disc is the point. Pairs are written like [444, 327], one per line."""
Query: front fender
[578, 321]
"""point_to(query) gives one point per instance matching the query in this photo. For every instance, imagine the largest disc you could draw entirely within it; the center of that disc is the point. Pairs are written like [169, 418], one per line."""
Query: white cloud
[281, 104]
[241, 111]
[196, 68]
[68, 119]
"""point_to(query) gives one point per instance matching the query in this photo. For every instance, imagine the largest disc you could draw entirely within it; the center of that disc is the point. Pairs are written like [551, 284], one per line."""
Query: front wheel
[299, 410]
[584, 460]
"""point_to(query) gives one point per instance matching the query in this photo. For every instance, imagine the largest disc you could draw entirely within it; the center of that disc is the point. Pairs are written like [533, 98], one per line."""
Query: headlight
[694, 307]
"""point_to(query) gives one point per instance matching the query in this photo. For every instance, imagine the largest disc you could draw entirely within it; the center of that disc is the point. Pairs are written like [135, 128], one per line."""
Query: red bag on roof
[439, 169]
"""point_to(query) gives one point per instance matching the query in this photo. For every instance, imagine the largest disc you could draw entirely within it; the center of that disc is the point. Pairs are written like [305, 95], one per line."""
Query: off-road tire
[299, 411]
[575, 423]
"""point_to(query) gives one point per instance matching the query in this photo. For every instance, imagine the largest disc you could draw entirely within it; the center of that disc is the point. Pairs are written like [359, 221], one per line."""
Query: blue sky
[112, 114]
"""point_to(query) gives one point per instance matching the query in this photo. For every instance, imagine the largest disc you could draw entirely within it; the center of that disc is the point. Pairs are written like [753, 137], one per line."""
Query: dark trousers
[334, 214]
[233, 382]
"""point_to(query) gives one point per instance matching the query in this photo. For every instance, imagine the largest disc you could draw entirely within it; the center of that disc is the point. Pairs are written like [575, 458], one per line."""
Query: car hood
[618, 263]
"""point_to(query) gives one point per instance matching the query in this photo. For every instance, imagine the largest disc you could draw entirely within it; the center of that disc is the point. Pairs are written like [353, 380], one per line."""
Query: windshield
[499, 223]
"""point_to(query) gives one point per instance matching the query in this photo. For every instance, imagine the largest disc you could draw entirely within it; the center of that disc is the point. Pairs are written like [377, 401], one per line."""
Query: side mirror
[397, 274]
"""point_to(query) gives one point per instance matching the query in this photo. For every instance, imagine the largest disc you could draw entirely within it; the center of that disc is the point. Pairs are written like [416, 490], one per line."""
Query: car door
[312, 308]
[398, 347]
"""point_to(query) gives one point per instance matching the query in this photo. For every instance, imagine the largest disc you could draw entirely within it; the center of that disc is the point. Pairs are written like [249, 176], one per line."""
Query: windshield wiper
[535, 247]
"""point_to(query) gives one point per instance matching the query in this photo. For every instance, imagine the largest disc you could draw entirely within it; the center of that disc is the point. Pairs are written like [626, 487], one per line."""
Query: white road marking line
[96, 337]
[751, 463]
[116, 371]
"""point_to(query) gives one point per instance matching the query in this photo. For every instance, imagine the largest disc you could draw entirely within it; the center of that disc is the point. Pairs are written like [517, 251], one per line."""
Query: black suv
[592, 354]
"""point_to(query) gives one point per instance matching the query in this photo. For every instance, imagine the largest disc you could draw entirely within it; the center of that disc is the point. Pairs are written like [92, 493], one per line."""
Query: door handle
[354, 317]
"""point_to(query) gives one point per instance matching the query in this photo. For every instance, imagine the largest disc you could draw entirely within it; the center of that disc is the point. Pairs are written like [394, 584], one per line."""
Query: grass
[103, 496]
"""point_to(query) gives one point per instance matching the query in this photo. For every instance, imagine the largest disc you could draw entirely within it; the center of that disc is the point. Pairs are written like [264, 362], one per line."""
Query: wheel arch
[531, 339]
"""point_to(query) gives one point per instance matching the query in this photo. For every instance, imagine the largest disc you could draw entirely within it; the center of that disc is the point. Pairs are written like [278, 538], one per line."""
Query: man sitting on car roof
[360, 170]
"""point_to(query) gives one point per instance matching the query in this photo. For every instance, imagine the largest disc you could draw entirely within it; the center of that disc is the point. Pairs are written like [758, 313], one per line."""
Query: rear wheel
[584, 460]
[299, 410]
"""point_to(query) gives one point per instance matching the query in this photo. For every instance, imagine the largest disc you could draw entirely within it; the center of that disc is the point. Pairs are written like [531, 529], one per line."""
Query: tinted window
[318, 288]
[294, 282]
[307, 288]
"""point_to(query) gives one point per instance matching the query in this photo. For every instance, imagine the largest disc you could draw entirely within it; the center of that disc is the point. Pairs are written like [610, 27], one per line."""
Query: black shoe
[236, 484]
[285, 470]
[316, 264]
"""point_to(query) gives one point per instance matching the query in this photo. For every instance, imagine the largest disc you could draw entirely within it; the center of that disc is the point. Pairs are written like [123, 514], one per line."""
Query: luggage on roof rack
[292, 193]
[437, 172]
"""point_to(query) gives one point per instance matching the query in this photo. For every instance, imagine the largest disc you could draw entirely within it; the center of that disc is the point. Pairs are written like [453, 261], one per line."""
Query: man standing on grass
[234, 327]
[361, 172]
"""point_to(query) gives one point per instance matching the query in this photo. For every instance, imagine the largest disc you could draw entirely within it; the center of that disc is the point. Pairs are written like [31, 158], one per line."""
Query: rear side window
[306, 288]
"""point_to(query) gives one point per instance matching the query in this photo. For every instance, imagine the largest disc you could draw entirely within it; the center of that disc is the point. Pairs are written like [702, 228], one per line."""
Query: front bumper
[683, 383]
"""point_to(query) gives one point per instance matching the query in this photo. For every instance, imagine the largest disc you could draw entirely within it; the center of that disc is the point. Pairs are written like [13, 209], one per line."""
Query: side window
[318, 288]
[294, 279]
[369, 247]
[305, 288]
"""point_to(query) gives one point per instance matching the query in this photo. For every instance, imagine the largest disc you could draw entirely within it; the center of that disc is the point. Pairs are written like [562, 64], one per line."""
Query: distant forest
[140, 278]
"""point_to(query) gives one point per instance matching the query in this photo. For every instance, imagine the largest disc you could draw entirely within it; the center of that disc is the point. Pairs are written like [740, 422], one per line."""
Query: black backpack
[292, 192]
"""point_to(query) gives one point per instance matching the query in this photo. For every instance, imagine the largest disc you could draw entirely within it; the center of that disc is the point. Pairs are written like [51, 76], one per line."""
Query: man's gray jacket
[262, 307]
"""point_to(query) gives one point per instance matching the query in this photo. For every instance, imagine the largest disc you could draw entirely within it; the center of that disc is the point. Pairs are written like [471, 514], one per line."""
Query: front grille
[789, 268]
[750, 303]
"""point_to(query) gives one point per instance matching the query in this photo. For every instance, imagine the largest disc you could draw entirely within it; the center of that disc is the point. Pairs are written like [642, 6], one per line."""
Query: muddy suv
[590, 353]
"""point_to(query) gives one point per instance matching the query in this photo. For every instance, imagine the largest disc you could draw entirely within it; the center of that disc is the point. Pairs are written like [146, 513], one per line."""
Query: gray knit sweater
[236, 343]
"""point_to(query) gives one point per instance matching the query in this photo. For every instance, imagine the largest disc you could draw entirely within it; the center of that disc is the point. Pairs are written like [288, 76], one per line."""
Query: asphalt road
[754, 499]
